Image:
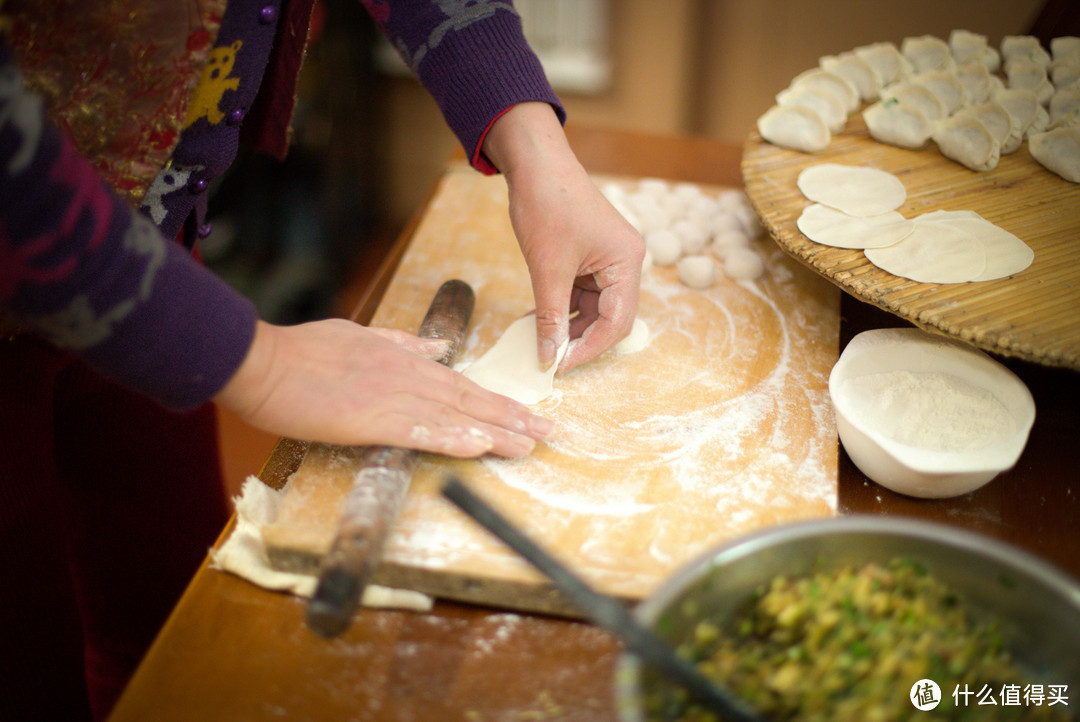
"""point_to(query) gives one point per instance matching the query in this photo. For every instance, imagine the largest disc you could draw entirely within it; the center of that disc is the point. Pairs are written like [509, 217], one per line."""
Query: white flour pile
[929, 410]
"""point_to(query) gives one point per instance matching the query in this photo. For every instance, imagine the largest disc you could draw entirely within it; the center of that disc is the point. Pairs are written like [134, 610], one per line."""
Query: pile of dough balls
[974, 101]
[683, 227]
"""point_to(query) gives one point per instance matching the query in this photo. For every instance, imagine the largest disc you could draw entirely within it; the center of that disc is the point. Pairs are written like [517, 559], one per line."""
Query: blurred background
[302, 237]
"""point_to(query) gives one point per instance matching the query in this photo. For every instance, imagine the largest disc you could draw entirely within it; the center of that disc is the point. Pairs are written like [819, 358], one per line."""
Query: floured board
[1034, 315]
[721, 425]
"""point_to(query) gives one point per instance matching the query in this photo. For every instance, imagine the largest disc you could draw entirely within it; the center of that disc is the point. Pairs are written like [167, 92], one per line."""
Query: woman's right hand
[338, 382]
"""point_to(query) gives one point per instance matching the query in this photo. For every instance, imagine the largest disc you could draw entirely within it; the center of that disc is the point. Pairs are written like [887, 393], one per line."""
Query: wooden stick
[378, 491]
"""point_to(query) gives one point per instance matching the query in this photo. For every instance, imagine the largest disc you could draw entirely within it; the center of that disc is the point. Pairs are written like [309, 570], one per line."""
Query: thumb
[552, 294]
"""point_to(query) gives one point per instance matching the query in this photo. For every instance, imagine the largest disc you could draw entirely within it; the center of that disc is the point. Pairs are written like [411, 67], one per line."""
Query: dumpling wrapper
[968, 141]
[796, 127]
[1006, 255]
[897, 123]
[1059, 151]
[855, 190]
[831, 227]
[512, 367]
[932, 253]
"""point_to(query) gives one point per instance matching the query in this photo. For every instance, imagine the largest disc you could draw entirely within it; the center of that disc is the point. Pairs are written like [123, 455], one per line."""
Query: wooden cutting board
[1034, 315]
[720, 426]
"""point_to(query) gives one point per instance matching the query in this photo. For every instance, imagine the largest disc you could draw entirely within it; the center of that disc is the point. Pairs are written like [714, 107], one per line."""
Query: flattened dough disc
[831, 227]
[512, 368]
[933, 253]
[855, 190]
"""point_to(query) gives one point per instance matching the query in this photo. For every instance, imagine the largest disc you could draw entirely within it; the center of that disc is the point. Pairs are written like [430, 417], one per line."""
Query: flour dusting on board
[720, 425]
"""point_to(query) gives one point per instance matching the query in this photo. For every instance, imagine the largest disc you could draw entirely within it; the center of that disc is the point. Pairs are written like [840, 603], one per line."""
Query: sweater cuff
[486, 77]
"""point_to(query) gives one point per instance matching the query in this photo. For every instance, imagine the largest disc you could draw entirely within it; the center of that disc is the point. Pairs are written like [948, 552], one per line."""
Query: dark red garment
[100, 536]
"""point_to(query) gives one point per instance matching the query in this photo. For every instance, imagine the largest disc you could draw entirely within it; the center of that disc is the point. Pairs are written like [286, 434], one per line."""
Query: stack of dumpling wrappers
[974, 101]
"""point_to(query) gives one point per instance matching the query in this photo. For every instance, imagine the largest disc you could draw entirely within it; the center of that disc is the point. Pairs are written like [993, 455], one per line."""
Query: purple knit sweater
[83, 269]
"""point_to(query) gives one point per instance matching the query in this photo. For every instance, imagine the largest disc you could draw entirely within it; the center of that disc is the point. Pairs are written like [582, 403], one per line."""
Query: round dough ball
[725, 220]
[649, 222]
[693, 237]
[655, 187]
[743, 264]
[674, 206]
[665, 246]
[727, 241]
[613, 191]
[704, 205]
[697, 271]
[688, 193]
[637, 340]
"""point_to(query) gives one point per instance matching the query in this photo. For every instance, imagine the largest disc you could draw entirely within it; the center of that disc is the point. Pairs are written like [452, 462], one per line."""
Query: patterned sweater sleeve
[84, 270]
[471, 55]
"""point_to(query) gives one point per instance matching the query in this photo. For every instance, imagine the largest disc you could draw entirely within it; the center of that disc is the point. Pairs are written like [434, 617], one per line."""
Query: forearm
[524, 136]
[84, 270]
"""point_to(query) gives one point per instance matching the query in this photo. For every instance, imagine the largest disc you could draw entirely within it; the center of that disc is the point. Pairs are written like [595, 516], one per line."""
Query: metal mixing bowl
[1038, 605]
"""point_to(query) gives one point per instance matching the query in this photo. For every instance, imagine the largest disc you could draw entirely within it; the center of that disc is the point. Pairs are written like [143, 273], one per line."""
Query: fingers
[604, 317]
[430, 348]
[462, 419]
[341, 383]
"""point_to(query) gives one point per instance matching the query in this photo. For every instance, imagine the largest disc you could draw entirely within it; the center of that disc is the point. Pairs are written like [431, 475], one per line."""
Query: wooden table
[232, 651]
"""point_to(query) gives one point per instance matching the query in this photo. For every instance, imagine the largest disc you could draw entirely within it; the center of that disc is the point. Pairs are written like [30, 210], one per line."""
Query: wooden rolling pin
[372, 504]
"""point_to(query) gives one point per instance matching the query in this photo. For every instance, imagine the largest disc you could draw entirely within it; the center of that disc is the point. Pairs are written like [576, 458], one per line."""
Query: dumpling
[967, 141]
[856, 71]
[945, 86]
[818, 79]
[1021, 104]
[1059, 151]
[1030, 75]
[975, 79]
[1064, 46]
[1069, 120]
[898, 123]
[927, 52]
[1063, 102]
[890, 65]
[1065, 72]
[918, 95]
[825, 104]
[969, 47]
[1000, 122]
[796, 127]
[1023, 47]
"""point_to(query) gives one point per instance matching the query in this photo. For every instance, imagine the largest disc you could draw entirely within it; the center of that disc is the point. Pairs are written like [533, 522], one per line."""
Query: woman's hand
[341, 383]
[582, 254]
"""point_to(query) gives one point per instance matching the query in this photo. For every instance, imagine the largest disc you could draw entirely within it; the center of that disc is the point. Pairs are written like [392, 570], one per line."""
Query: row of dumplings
[703, 236]
[949, 92]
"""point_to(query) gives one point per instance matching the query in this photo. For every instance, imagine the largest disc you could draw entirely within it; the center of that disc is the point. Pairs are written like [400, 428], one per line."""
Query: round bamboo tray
[1034, 315]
